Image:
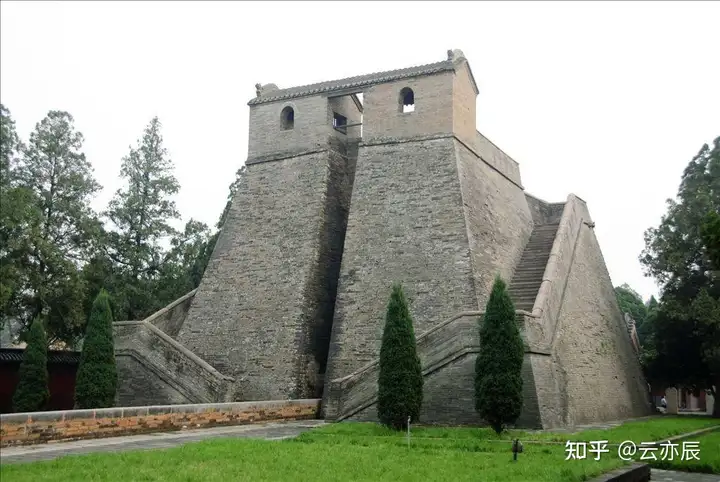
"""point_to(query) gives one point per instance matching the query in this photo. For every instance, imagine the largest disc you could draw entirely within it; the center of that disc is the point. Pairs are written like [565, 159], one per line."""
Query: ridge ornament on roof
[271, 93]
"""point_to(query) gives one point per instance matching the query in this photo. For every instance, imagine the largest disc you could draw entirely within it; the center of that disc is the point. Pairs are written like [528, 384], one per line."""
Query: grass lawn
[709, 456]
[354, 451]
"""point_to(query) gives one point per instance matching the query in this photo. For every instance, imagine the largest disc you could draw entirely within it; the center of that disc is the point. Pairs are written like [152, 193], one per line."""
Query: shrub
[32, 393]
[498, 369]
[400, 383]
[96, 382]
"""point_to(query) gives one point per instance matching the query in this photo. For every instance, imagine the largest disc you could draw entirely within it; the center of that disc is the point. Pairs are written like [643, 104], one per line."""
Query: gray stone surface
[406, 224]
[675, 476]
[267, 431]
[293, 300]
[171, 318]
[140, 385]
[153, 368]
[263, 310]
[600, 374]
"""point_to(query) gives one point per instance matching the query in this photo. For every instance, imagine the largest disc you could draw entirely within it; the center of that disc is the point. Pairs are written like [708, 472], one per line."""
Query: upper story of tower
[427, 100]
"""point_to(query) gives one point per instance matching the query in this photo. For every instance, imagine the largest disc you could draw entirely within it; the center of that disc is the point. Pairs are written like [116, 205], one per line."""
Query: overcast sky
[607, 100]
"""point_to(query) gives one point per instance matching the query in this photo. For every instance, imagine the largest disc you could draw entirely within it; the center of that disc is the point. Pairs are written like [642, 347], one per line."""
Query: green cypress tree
[32, 393]
[498, 369]
[96, 382]
[400, 383]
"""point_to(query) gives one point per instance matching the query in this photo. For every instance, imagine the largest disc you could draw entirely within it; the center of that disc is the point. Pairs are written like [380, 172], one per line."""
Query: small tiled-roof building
[62, 367]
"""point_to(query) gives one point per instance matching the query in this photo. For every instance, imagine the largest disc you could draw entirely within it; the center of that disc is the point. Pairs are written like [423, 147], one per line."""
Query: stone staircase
[529, 273]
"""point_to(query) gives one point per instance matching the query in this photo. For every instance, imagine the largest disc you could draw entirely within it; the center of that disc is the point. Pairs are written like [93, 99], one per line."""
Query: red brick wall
[42, 427]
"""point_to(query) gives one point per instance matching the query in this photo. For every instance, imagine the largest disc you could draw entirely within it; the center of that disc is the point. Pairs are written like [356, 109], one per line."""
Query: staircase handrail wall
[552, 289]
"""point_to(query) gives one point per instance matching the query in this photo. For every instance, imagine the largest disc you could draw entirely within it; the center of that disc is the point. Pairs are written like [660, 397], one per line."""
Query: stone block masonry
[154, 369]
[406, 224]
[293, 300]
[266, 300]
[43, 427]
[601, 378]
[431, 213]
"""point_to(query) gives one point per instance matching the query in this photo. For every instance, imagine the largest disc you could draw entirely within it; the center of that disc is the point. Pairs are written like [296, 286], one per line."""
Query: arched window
[287, 118]
[407, 100]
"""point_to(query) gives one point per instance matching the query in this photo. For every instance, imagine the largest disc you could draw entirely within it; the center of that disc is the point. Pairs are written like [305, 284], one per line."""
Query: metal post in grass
[408, 432]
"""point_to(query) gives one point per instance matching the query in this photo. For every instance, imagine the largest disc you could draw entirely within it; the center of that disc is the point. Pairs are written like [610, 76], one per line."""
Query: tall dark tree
[141, 214]
[96, 381]
[58, 240]
[17, 213]
[675, 252]
[185, 262]
[400, 383]
[32, 393]
[680, 254]
[101, 273]
[498, 377]
[710, 233]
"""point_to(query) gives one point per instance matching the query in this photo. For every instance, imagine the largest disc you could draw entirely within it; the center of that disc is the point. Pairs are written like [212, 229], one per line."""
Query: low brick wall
[42, 427]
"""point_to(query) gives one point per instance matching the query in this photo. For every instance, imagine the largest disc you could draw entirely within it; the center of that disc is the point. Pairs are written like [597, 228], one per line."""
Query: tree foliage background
[57, 253]
[682, 332]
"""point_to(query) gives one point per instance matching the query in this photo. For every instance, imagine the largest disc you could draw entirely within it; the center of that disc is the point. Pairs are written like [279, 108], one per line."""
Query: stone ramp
[529, 274]
[549, 268]
[154, 369]
[447, 354]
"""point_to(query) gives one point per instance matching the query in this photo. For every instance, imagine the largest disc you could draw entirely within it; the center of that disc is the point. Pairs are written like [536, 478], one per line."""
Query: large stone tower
[264, 309]
[352, 185]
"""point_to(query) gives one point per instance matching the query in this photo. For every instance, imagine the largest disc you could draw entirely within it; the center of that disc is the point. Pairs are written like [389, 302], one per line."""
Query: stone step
[526, 283]
[523, 295]
[540, 256]
[528, 275]
[541, 237]
[538, 250]
[520, 299]
[536, 253]
[537, 269]
[517, 285]
[532, 264]
[525, 278]
[529, 294]
[523, 285]
[542, 251]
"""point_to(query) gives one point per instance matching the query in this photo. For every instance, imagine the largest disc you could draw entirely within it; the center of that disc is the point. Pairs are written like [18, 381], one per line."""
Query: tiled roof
[351, 82]
[54, 356]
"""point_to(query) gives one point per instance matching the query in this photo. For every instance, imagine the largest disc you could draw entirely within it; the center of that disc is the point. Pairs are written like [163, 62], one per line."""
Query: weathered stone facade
[343, 197]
